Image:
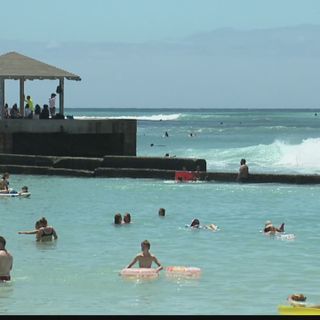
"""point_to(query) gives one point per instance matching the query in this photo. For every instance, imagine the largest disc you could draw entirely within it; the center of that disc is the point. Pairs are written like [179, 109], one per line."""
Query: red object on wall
[184, 176]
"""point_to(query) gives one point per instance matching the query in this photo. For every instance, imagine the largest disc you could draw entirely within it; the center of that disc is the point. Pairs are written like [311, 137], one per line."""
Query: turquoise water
[243, 271]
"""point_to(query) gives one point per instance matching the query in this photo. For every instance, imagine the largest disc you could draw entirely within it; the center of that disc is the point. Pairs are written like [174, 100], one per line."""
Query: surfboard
[13, 195]
[293, 310]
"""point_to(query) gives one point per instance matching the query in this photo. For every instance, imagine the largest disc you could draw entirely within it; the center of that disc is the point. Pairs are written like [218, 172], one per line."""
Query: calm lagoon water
[243, 271]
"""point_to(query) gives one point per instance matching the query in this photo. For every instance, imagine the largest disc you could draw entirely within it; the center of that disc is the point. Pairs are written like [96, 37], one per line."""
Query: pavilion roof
[17, 66]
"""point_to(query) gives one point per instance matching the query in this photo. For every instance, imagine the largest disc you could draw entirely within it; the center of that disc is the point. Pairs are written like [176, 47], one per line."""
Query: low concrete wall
[164, 168]
[135, 173]
[162, 163]
[262, 178]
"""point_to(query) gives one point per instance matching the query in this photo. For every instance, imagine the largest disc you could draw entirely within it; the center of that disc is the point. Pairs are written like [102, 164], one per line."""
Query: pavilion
[16, 66]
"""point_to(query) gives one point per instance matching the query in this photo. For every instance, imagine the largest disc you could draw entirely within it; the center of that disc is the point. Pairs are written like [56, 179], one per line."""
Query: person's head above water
[127, 218]
[145, 244]
[195, 223]
[117, 218]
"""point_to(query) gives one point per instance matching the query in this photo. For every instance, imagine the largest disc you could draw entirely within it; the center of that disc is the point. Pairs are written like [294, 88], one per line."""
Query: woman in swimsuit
[42, 231]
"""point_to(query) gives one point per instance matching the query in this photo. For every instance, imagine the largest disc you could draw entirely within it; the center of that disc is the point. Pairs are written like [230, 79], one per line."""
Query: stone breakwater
[133, 167]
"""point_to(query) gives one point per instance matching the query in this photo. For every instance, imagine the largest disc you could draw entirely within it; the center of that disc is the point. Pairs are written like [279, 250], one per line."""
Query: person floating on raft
[270, 229]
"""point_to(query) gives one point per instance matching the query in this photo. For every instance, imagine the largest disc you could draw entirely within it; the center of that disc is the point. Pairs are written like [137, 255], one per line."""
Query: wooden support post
[2, 96]
[22, 96]
[61, 96]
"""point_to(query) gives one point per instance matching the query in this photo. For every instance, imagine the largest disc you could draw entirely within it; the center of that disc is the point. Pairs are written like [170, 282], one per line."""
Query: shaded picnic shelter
[15, 66]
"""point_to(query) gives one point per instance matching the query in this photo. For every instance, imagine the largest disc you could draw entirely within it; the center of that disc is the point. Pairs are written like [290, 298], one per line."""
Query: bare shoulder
[5, 253]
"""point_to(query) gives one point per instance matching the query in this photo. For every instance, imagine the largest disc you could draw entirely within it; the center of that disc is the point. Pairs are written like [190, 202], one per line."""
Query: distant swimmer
[243, 174]
[166, 134]
[127, 218]
[118, 218]
[157, 145]
[269, 228]
[162, 212]
[195, 224]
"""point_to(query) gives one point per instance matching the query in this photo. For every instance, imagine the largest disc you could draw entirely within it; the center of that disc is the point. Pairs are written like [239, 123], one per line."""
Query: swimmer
[117, 218]
[162, 212]
[269, 228]
[145, 258]
[299, 300]
[42, 231]
[195, 223]
[24, 189]
[127, 218]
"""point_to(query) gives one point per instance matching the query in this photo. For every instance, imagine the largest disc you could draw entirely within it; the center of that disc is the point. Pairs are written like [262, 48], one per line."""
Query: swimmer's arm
[55, 236]
[158, 263]
[132, 262]
[28, 232]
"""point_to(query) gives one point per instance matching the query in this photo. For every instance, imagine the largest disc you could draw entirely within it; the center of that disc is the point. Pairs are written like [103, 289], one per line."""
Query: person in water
[42, 231]
[24, 189]
[118, 218]
[162, 212]
[145, 258]
[127, 218]
[195, 224]
[269, 228]
[4, 183]
[6, 261]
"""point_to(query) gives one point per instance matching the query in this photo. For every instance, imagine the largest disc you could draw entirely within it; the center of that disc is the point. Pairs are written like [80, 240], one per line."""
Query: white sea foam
[155, 117]
[279, 156]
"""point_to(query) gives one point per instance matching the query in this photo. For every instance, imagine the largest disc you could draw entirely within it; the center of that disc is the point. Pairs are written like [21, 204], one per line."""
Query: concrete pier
[68, 137]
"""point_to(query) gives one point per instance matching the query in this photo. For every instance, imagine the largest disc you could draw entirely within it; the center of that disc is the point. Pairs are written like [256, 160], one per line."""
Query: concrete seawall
[132, 167]
[69, 137]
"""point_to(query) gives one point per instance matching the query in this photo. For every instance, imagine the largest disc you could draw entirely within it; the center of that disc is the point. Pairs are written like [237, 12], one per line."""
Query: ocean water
[243, 271]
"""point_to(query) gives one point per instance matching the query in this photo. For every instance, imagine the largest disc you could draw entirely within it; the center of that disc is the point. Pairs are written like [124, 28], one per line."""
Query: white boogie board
[12, 195]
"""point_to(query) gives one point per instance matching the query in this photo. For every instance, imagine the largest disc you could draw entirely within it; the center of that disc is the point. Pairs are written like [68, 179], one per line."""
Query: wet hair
[243, 161]
[3, 241]
[43, 221]
[5, 175]
[162, 212]
[195, 222]
[146, 243]
[127, 217]
[117, 218]
[298, 297]
[37, 225]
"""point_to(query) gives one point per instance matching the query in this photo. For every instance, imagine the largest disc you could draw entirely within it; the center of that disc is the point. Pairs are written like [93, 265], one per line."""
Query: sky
[171, 53]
